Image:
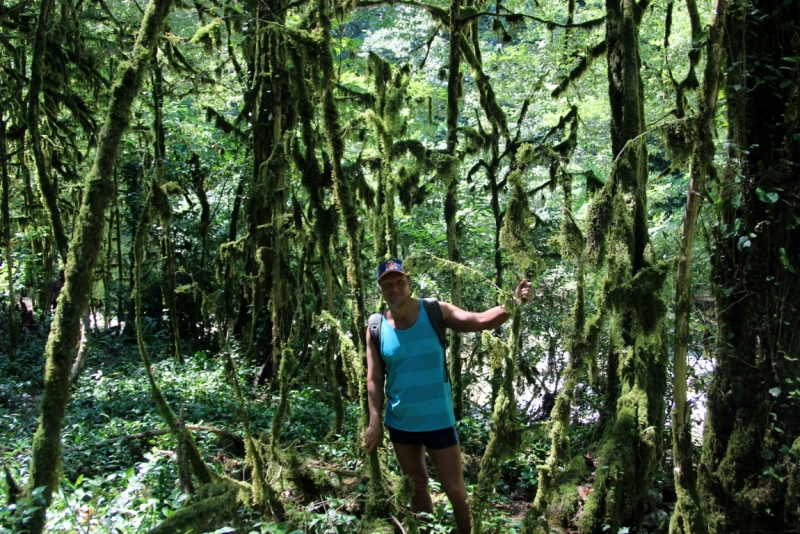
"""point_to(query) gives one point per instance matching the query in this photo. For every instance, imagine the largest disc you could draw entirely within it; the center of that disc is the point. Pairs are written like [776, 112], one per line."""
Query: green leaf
[785, 260]
[744, 242]
[775, 392]
[768, 197]
[702, 37]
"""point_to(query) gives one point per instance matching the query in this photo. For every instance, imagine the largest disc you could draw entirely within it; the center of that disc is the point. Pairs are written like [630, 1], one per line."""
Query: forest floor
[119, 467]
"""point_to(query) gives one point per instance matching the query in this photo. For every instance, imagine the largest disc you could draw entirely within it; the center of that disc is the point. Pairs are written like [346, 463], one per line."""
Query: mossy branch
[352, 363]
[488, 100]
[216, 503]
[261, 492]
[199, 467]
[583, 65]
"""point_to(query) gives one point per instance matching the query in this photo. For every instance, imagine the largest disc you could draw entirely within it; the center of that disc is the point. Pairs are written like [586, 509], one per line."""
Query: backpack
[434, 311]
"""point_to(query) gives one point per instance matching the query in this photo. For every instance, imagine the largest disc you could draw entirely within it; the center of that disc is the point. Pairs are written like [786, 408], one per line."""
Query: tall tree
[162, 209]
[688, 515]
[6, 236]
[49, 191]
[633, 418]
[749, 478]
[451, 176]
[87, 243]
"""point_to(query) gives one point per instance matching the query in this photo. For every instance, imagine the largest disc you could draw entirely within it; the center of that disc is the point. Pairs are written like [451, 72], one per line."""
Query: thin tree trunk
[65, 330]
[330, 357]
[48, 191]
[48, 259]
[167, 275]
[376, 506]
[107, 274]
[191, 455]
[451, 200]
[688, 517]
[279, 249]
[259, 209]
[506, 432]
[9, 260]
[230, 311]
[83, 350]
[120, 279]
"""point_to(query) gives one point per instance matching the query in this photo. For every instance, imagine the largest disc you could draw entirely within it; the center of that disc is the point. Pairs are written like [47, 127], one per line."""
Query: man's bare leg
[412, 462]
[451, 476]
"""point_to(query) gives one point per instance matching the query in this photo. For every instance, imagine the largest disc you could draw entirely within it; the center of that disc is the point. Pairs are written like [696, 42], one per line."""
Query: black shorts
[432, 439]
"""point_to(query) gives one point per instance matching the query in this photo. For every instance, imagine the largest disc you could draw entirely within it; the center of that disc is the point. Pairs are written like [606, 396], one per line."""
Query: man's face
[395, 287]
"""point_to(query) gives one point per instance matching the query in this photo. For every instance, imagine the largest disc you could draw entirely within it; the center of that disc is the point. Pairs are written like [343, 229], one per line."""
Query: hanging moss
[475, 140]
[584, 62]
[210, 35]
[571, 239]
[646, 289]
[526, 154]
[486, 95]
[680, 136]
[593, 183]
[348, 353]
[597, 226]
[516, 227]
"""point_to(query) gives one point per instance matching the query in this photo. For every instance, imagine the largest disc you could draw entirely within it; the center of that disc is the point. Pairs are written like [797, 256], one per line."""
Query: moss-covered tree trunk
[687, 517]
[276, 167]
[86, 246]
[9, 259]
[506, 431]
[266, 82]
[451, 199]
[633, 419]
[751, 447]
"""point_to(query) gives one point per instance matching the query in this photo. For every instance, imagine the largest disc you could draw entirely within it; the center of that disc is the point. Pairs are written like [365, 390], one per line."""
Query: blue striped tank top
[418, 394]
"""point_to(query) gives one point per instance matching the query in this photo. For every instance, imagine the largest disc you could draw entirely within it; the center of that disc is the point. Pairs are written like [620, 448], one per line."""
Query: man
[411, 367]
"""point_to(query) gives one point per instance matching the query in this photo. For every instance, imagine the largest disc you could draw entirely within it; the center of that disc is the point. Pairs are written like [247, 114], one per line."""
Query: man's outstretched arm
[465, 321]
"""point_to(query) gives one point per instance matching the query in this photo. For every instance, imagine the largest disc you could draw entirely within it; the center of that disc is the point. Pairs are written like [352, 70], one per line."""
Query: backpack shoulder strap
[374, 327]
[434, 312]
